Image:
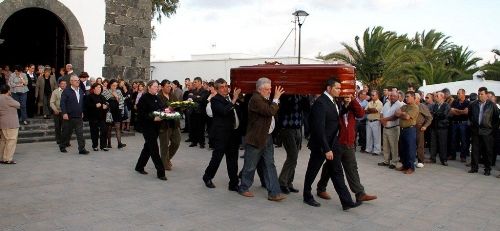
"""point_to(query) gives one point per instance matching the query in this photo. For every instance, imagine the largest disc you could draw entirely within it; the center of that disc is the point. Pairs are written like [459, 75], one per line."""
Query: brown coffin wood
[295, 79]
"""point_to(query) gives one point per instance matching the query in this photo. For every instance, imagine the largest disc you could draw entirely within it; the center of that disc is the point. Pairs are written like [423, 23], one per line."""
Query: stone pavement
[49, 190]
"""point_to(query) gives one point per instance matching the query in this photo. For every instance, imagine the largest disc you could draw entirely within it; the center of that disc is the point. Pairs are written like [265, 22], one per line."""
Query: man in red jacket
[351, 109]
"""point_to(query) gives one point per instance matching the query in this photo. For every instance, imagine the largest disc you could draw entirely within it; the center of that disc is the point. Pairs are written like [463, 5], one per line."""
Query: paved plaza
[49, 190]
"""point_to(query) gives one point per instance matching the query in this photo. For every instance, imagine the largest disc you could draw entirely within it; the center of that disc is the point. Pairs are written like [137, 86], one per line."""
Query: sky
[259, 27]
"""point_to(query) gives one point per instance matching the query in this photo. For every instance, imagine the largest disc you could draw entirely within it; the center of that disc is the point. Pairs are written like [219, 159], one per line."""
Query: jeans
[252, 157]
[21, 98]
[459, 130]
[408, 138]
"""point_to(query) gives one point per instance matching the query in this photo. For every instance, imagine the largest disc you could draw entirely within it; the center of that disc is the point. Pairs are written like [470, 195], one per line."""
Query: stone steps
[42, 130]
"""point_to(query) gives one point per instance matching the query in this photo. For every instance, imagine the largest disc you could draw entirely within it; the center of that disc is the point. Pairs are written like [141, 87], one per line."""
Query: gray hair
[219, 83]
[260, 82]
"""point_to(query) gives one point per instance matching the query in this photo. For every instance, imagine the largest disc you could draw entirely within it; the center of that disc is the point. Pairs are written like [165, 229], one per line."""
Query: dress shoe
[63, 150]
[375, 154]
[293, 190]
[467, 165]
[247, 194]
[392, 166]
[104, 149]
[350, 206]
[192, 145]
[83, 152]
[142, 172]
[363, 151]
[383, 164]
[95, 149]
[324, 195]
[285, 190]
[366, 197]
[487, 172]
[109, 146]
[401, 168]
[472, 171]
[162, 177]
[444, 163]
[121, 145]
[234, 188]
[276, 198]
[209, 183]
[409, 171]
[312, 202]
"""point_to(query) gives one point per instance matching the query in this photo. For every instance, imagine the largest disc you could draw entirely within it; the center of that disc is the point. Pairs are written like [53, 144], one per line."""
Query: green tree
[492, 69]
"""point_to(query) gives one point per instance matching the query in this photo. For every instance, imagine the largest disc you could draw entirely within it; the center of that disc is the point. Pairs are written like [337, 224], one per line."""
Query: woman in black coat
[148, 103]
[97, 106]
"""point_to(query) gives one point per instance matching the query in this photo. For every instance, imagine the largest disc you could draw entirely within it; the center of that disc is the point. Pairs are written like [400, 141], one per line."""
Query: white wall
[91, 16]
[212, 69]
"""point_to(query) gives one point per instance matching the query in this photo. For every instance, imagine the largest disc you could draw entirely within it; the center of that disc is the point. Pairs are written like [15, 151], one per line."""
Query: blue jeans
[21, 98]
[459, 130]
[408, 149]
[252, 157]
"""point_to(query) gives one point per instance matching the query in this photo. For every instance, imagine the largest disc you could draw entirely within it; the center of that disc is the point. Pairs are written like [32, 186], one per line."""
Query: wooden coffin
[295, 79]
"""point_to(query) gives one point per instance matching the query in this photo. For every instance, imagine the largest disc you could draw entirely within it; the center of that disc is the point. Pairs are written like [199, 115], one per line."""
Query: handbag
[109, 117]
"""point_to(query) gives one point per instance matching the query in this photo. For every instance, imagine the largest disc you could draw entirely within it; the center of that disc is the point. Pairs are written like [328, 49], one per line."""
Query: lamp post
[300, 17]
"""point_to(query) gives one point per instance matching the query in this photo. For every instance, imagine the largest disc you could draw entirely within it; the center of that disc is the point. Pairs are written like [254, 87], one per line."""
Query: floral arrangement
[167, 114]
[181, 105]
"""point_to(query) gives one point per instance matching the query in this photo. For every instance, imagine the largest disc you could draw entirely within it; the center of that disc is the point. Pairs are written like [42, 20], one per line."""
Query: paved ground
[49, 190]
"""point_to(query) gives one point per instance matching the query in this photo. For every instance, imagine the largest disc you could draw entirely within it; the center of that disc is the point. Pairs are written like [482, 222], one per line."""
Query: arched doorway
[34, 35]
[54, 19]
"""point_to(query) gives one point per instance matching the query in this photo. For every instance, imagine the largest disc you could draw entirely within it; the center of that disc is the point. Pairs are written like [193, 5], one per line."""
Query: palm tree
[492, 69]
[161, 8]
[461, 63]
[379, 57]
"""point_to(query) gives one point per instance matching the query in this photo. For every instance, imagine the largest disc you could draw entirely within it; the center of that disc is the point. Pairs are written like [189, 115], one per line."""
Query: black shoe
[105, 149]
[234, 188]
[121, 145]
[444, 163]
[487, 172]
[353, 205]
[472, 171]
[202, 146]
[192, 145]
[142, 172]
[209, 183]
[312, 202]
[293, 190]
[95, 149]
[162, 177]
[392, 166]
[83, 152]
[63, 150]
[109, 146]
[284, 190]
[188, 140]
[383, 164]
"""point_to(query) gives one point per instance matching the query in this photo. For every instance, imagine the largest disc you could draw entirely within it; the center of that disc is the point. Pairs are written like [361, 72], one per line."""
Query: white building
[214, 66]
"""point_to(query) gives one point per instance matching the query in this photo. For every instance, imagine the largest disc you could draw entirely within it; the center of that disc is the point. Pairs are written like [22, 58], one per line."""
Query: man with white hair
[259, 142]
[439, 132]
[391, 130]
[72, 111]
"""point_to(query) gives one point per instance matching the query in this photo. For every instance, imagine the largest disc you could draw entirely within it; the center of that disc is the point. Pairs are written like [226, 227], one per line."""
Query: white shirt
[77, 92]
[273, 123]
[388, 110]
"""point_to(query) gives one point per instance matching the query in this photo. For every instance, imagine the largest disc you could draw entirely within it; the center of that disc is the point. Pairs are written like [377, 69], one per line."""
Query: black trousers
[67, 130]
[229, 147]
[348, 159]
[98, 133]
[336, 175]
[439, 143]
[482, 146]
[58, 119]
[152, 150]
[197, 132]
[361, 133]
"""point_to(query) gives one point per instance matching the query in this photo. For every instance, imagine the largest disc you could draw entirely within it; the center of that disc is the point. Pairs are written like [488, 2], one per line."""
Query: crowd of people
[399, 126]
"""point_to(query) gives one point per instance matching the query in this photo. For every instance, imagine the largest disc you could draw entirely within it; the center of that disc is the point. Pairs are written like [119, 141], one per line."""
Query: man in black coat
[72, 111]
[198, 115]
[323, 143]
[483, 116]
[224, 134]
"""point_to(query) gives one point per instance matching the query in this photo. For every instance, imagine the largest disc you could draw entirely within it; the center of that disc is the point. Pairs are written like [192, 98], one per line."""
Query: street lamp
[300, 17]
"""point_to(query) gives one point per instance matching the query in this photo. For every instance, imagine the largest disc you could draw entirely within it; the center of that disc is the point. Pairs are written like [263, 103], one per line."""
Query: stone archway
[76, 44]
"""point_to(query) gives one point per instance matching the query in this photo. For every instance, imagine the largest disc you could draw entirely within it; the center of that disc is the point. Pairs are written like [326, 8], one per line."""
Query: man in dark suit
[199, 114]
[483, 116]
[224, 134]
[324, 143]
[72, 111]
